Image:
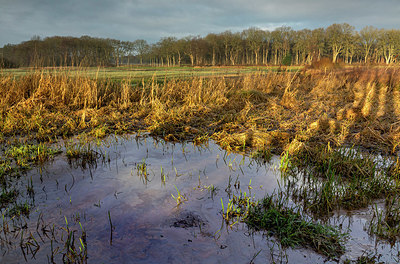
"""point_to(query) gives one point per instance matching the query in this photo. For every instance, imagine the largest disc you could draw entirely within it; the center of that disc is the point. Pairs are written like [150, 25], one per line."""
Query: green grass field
[147, 72]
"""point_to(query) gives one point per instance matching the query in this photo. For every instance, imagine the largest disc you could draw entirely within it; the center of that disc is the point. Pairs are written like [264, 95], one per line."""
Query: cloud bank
[153, 19]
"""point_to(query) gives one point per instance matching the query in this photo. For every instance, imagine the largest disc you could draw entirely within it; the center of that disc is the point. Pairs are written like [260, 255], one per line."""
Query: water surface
[147, 225]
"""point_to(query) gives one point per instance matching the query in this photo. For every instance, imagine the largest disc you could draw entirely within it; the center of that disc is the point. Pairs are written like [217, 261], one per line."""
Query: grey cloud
[152, 19]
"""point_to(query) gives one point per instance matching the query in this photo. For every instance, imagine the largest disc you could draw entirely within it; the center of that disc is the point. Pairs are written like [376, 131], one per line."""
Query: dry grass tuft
[276, 110]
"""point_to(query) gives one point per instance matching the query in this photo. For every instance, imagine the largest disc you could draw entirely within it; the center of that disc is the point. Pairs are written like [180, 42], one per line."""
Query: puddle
[130, 219]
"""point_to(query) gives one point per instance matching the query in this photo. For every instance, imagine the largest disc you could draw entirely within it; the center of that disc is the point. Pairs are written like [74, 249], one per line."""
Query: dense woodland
[253, 46]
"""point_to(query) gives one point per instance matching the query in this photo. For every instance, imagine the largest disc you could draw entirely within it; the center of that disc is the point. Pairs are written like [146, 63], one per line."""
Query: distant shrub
[6, 64]
[287, 60]
[324, 63]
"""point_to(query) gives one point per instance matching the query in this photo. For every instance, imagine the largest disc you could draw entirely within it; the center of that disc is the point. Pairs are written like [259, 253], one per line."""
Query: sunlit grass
[146, 72]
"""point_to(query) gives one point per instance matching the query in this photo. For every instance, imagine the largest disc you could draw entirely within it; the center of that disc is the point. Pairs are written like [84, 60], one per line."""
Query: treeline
[72, 51]
[58, 51]
[253, 46]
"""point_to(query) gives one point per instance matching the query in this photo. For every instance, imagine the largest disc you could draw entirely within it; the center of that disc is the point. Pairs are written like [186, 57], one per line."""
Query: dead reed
[275, 110]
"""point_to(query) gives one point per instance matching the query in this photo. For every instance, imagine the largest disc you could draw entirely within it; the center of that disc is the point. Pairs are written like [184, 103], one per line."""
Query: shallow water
[148, 226]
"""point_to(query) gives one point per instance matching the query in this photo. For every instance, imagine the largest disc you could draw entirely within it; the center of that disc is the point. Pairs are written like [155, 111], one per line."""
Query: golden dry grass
[277, 110]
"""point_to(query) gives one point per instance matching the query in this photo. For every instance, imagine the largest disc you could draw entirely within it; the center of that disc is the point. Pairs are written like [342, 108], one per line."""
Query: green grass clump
[287, 224]
[15, 160]
[19, 209]
[180, 198]
[237, 208]
[142, 171]
[366, 259]
[5, 170]
[82, 154]
[325, 179]
[7, 197]
[347, 163]
[23, 155]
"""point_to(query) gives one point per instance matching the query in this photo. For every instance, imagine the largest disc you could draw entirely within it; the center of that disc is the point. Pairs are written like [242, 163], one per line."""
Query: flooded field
[147, 201]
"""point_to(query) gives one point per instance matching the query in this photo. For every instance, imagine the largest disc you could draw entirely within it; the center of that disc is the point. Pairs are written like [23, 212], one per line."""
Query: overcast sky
[154, 19]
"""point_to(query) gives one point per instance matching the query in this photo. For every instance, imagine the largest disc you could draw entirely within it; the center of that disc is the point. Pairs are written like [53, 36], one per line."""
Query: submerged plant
[213, 190]
[74, 252]
[366, 258]
[19, 209]
[385, 222]
[82, 153]
[7, 197]
[163, 176]
[142, 172]
[237, 208]
[180, 198]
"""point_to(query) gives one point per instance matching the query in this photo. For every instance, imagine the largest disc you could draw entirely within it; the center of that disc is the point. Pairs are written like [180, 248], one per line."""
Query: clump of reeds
[324, 179]
[82, 153]
[274, 215]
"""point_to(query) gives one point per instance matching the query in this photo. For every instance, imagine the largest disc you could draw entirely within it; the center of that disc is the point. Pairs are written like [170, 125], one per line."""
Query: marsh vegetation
[287, 154]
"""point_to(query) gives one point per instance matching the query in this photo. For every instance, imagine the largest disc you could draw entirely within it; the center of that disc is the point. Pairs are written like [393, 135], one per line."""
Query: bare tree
[389, 43]
[254, 39]
[368, 38]
[338, 35]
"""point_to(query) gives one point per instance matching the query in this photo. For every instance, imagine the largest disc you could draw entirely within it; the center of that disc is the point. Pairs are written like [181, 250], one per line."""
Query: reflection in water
[144, 221]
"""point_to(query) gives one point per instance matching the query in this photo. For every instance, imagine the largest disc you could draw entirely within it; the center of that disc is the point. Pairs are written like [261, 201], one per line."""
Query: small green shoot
[179, 199]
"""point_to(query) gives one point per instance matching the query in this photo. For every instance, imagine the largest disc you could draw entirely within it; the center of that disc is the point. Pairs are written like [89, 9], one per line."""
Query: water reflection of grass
[142, 172]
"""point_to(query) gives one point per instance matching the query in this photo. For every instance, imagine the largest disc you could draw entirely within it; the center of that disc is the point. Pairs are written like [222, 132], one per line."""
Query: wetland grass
[70, 252]
[262, 155]
[237, 208]
[277, 218]
[323, 179]
[385, 223]
[7, 197]
[179, 198]
[274, 216]
[275, 112]
[366, 259]
[263, 110]
[83, 153]
[19, 209]
[16, 160]
[142, 172]
[26, 154]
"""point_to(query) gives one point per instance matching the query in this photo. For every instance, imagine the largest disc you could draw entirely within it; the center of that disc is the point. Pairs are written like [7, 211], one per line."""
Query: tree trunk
[256, 54]
[191, 59]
